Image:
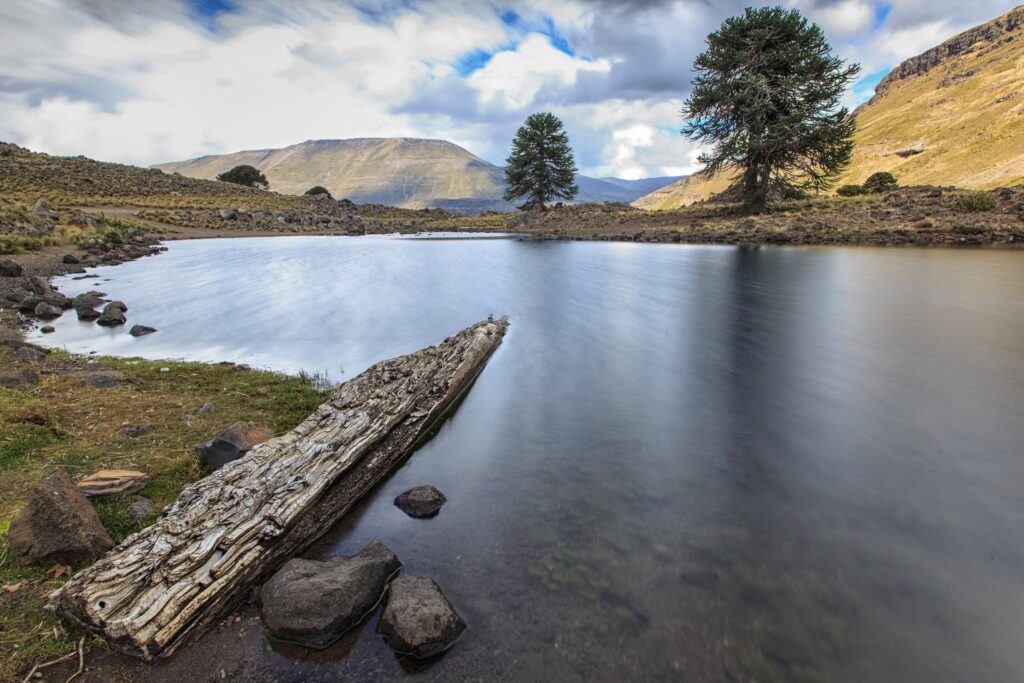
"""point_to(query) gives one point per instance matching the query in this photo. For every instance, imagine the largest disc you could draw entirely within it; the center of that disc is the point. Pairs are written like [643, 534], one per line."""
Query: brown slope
[953, 115]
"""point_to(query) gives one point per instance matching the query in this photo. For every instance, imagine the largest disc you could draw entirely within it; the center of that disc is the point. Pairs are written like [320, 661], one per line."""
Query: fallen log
[230, 531]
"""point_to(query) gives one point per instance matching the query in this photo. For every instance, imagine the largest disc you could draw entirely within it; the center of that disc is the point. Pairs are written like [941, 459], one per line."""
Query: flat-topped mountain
[953, 115]
[405, 172]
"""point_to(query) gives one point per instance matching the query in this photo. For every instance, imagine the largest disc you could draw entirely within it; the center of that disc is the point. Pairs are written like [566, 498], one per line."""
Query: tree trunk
[231, 530]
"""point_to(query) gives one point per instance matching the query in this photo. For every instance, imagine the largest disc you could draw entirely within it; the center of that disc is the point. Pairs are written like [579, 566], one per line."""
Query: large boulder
[92, 299]
[70, 259]
[421, 501]
[57, 526]
[9, 268]
[418, 619]
[313, 603]
[113, 314]
[235, 442]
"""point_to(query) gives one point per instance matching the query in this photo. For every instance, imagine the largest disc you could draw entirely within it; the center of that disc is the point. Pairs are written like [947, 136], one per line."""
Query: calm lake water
[684, 463]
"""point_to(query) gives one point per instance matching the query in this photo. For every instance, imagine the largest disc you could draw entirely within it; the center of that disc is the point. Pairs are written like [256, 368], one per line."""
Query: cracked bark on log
[229, 531]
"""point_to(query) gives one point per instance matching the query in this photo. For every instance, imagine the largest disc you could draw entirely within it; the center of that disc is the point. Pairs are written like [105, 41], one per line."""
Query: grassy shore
[61, 424]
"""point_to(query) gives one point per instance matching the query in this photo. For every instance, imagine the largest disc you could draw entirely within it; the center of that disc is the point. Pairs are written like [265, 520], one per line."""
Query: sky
[147, 81]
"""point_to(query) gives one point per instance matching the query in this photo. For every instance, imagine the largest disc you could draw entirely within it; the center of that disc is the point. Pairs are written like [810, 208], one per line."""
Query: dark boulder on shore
[70, 259]
[418, 619]
[30, 354]
[421, 501]
[233, 443]
[18, 380]
[92, 299]
[57, 526]
[9, 268]
[141, 330]
[313, 603]
[47, 312]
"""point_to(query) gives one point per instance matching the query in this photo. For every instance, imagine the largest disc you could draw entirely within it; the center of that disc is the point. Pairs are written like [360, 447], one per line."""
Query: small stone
[421, 501]
[9, 268]
[108, 483]
[70, 259]
[30, 354]
[47, 329]
[141, 330]
[100, 381]
[233, 443]
[187, 418]
[139, 509]
[57, 526]
[135, 431]
[206, 408]
[313, 603]
[418, 619]
[18, 380]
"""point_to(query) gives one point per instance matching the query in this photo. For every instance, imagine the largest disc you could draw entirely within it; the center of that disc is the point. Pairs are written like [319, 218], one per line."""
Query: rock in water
[421, 501]
[313, 603]
[236, 441]
[57, 526]
[87, 313]
[113, 314]
[141, 330]
[418, 619]
[9, 268]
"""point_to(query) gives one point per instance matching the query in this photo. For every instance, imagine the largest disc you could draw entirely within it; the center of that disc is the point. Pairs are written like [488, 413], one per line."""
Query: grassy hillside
[405, 172]
[953, 115]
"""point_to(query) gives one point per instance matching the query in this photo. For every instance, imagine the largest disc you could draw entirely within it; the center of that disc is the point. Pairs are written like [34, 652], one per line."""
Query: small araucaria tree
[246, 175]
[541, 166]
[767, 96]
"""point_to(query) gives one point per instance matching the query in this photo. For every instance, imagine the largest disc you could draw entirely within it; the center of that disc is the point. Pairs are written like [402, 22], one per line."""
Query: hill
[405, 172]
[953, 115]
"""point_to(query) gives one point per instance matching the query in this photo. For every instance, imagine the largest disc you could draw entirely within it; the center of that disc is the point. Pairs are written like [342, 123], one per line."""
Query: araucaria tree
[541, 166]
[767, 96]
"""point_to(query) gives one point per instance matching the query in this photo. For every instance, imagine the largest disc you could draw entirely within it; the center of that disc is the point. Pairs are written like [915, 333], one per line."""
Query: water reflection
[698, 463]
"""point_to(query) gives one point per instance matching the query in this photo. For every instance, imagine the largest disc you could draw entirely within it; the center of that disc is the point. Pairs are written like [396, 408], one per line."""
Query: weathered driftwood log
[229, 531]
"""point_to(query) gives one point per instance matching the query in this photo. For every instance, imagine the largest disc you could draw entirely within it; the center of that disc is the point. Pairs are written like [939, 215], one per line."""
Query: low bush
[971, 202]
[851, 190]
[883, 181]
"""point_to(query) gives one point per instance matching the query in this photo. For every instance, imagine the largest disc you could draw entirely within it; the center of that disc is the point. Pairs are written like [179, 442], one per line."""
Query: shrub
[850, 190]
[318, 189]
[883, 181]
[975, 201]
[245, 175]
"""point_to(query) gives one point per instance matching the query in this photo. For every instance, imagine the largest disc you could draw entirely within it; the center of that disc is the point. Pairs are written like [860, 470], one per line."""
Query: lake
[699, 463]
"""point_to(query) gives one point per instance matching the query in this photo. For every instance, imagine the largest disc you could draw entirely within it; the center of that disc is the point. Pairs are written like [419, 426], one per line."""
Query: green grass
[60, 424]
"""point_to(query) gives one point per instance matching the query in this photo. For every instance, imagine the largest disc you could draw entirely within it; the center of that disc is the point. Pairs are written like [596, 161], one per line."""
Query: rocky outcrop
[421, 501]
[113, 314]
[313, 603]
[57, 526]
[233, 443]
[418, 619]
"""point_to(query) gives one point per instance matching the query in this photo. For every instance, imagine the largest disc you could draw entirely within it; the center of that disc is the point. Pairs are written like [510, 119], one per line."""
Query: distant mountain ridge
[405, 172]
[953, 115]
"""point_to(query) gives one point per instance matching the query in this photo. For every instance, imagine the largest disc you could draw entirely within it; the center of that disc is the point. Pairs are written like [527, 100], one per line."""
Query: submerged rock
[313, 603]
[57, 526]
[141, 330]
[421, 501]
[233, 443]
[47, 312]
[113, 314]
[418, 619]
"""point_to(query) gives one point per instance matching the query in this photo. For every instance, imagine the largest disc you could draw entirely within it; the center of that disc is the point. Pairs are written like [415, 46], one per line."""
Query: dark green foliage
[767, 96]
[245, 175]
[975, 201]
[541, 167]
[318, 189]
[850, 190]
[883, 181]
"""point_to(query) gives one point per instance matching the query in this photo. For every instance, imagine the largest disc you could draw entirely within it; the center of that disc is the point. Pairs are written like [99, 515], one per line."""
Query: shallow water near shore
[683, 463]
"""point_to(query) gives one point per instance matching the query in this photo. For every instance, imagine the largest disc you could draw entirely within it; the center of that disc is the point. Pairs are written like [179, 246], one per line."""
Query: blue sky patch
[206, 12]
[865, 87]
